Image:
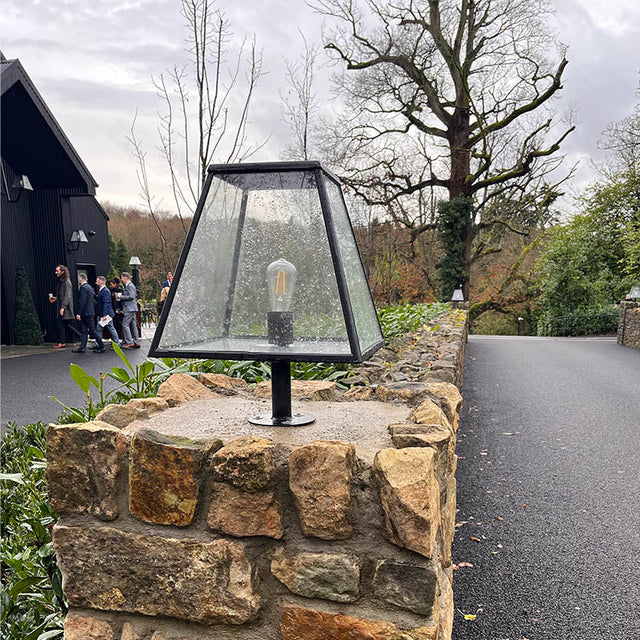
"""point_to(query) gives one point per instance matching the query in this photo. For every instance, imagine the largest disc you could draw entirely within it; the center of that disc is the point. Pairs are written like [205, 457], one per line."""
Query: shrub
[27, 325]
[33, 605]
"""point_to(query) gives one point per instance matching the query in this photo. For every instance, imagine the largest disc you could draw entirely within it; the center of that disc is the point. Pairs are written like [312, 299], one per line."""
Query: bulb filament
[284, 283]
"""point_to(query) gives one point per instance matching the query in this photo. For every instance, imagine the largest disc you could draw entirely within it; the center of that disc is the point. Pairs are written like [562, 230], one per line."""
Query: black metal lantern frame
[232, 235]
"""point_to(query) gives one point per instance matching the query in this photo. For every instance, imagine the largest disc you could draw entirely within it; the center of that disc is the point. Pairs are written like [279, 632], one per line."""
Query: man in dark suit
[105, 314]
[85, 315]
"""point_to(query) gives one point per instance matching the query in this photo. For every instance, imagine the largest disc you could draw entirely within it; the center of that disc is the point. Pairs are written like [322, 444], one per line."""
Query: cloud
[93, 62]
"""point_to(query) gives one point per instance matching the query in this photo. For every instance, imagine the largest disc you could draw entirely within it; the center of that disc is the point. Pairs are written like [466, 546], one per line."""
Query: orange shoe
[60, 346]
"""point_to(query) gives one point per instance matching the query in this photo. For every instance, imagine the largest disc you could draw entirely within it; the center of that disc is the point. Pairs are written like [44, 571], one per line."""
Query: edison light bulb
[281, 278]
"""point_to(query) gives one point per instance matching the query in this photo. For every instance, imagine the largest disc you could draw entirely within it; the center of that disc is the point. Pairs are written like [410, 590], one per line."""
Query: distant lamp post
[457, 296]
[634, 294]
[78, 237]
[270, 271]
[134, 263]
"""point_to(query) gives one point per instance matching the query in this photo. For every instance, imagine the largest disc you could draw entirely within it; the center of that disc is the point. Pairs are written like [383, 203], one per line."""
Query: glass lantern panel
[250, 220]
[364, 311]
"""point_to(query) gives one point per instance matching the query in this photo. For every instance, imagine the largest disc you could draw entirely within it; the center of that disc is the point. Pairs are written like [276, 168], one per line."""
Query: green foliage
[453, 218]
[580, 324]
[118, 257]
[495, 323]
[404, 318]
[591, 262]
[33, 606]
[27, 325]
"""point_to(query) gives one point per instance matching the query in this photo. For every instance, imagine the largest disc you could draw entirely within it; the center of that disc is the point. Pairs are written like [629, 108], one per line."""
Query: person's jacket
[85, 300]
[103, 299]
[115, 303]
[64, 295]
[129, 297]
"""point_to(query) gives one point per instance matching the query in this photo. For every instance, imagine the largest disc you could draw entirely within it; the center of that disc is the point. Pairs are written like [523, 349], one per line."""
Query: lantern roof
[270, 270]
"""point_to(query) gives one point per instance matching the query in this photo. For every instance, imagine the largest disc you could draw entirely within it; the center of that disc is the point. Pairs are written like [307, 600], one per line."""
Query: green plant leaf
[18, 478]
[81, 378]
[120, 374]
[122, 357]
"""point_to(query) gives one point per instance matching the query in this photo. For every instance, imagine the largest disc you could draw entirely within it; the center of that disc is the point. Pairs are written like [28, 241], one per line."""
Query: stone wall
[181, 521]
[629, 324]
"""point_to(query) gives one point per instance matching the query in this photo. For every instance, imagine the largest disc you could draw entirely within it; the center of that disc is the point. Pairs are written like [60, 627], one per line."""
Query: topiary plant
[27, 325]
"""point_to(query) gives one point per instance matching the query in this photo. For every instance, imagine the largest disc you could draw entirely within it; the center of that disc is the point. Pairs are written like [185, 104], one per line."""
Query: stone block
[428, 412]
[300, 623]
[332, 576]
[164, 477]
[436, 436]
[320, 475]
[410, 497]
[181, 387]
[359, 393]
[241, 513]
[203, 582]
[311, 389]
[87, 628]
[410, 392]
[220, 383]
[121, 415]
[150, 405]
[246, 463]
[128, 632]
[83, 465]
[451, 400]
[448, 522]
[408, 586]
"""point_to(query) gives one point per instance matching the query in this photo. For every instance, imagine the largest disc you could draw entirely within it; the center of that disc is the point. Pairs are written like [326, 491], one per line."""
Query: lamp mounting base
[296, 420]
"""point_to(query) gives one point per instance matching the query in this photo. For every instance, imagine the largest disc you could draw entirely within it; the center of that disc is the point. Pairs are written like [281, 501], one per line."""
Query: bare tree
[206, 108]
[299, 105]
[446, 95]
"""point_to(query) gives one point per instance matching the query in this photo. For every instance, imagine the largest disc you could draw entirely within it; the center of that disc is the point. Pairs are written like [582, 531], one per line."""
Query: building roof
[33, 142]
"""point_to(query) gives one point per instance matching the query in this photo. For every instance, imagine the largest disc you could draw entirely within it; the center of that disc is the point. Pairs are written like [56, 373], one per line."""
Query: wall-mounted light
[20, 183]
[77, 236]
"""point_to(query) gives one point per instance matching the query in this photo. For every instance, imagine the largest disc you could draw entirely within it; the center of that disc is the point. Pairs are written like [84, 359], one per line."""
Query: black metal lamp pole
[281, 414]
[281, 390]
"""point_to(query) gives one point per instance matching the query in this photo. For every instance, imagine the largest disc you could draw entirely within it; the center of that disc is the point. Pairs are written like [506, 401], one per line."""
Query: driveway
[548, 489]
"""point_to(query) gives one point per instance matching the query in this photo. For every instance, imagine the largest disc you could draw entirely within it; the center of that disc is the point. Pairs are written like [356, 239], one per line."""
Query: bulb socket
[280, 324]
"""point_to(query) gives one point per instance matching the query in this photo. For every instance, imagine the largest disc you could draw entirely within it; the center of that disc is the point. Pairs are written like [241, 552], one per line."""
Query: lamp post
[270, 271]
[634, 294]
[134, 263]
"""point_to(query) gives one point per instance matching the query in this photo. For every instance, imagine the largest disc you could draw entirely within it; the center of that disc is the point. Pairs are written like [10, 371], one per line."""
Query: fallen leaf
[469, 616]
[474, 538]
[510, 433]
[462, 564]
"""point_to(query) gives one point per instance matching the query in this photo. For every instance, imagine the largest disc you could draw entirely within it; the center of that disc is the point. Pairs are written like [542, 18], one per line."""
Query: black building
[48, 208]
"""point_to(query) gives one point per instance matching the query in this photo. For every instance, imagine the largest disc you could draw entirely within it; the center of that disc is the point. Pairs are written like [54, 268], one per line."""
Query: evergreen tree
[27, 325]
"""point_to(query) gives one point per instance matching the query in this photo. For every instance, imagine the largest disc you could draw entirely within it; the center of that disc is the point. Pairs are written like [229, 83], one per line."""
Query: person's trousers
[62, 329]
[86, 325]
[110, 328]
[130, 327]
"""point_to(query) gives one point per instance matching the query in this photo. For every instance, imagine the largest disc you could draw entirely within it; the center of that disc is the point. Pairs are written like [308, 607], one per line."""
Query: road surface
[548, 491]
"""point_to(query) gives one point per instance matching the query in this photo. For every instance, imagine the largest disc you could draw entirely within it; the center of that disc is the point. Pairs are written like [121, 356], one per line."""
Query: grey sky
[92, 61]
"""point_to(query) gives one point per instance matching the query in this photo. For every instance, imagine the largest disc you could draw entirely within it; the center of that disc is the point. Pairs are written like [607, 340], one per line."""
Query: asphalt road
[549, 516]
[28, 381]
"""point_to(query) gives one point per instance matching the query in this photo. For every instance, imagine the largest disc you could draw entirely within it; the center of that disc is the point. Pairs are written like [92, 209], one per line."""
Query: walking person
[130, 306]
[85, 315]
[64, 305]
[115, 286]
[105, 315]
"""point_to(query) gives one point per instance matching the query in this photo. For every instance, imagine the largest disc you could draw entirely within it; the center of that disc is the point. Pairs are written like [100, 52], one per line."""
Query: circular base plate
[296, 420]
